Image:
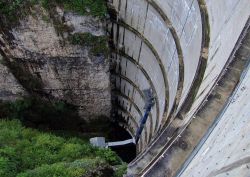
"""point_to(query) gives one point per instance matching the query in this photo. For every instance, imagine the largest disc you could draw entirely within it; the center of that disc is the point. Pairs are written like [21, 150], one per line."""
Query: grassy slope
[26, 152]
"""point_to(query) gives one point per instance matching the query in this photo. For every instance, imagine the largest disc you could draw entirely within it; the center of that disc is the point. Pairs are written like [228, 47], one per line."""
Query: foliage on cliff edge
[26, 152]
[13, 9]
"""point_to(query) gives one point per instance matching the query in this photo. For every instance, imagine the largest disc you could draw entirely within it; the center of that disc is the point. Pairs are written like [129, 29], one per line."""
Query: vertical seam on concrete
[121, 53]
[150, 46]
[119, 93]
[117, 36]
[205, 43]
[133, 120]
[151, 123]
[137, 64]
[189, 100]
[135, 87]
[128, 113]
[180, 56]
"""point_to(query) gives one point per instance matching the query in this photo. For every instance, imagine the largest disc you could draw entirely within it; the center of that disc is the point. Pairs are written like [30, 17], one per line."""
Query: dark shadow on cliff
[62, 119]
[53, 116]
[36, 112]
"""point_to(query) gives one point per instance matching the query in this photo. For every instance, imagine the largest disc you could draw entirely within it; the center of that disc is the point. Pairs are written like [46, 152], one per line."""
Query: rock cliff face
[10, 89]
[61, 56]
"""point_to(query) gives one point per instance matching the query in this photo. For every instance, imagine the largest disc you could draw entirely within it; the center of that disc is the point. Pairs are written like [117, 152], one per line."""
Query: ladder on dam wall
[150, 101]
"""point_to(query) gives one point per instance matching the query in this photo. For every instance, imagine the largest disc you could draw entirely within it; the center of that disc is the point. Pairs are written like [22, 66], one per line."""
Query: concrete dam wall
[154, 52]
[180, 50]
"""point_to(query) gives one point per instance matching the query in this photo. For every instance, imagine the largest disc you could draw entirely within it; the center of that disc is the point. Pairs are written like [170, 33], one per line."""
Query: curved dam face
[154, 52]
[180, 50]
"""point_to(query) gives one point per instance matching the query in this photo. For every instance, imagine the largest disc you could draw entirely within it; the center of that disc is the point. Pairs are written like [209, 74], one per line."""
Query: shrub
[12, 8]
[40, 112]
[98, 44]
[120, 170]
[77, 168]
[7, 167]
[9, 7]
[57, 169]
[25, 152]
[109, 156]
[95, 8]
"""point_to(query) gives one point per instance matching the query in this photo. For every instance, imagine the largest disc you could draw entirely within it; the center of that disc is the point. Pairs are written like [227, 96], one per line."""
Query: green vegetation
[98, 44]
[120, 170]
[37, 113]
[84, 167]
[25, 152]
[13, 10]
[96, 8]
[54, 116]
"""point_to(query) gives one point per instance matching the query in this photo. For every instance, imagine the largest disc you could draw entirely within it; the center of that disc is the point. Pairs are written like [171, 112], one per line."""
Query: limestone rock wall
[10, 89]
[39, 47]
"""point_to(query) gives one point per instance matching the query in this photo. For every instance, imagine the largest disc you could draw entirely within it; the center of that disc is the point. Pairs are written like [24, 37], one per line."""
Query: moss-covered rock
[98, 44]
[13, 10]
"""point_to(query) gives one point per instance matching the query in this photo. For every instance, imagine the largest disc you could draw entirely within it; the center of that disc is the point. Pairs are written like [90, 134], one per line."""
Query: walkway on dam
[155, 161]
[228, 143]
